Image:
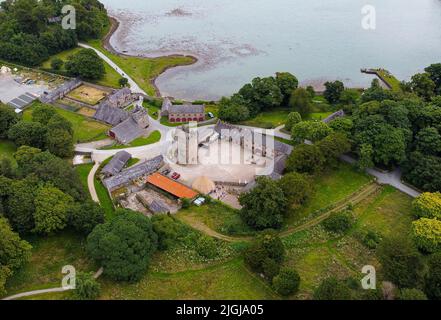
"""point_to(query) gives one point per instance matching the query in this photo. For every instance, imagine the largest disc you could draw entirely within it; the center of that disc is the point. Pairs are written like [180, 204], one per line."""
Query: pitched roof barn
[110, 115]
[116, 164]
[173, 187]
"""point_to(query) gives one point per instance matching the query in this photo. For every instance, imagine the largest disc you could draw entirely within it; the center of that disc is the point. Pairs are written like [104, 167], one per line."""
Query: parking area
[11, 88]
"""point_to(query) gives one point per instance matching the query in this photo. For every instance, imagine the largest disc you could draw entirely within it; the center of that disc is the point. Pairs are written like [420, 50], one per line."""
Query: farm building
[128, 176]
[116, 164]
[110, 115]
[120, 98]
[131, 128]
[186, 113]
[174, 188]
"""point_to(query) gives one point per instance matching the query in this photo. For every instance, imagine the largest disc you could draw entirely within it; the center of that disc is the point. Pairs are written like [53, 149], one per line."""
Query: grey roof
[282, 148]
[188, 108]
[334, 116]
[166, 104]
[117, 163]
[280, 164]
[110, 115]
[127, 131]
[126, 176]
[114, 97]
[61, 90]
[22, 101]
[158, 207]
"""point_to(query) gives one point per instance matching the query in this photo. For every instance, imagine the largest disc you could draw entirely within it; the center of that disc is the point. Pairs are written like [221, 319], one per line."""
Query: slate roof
[115, 97]
[22, 101]
[158, 207]
[110, 115]
[166, 104]
[188, 108]
[127, 131]
[117, 163]
[282, 148]
[127, 176]
[334, 116]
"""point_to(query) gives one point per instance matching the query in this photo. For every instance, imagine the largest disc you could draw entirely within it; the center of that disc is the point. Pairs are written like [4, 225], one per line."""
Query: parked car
[175, 176]
[211, 115]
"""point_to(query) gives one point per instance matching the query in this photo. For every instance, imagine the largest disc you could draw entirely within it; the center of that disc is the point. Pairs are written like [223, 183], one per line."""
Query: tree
[427, 234]
[6, 167]
[8, 118]
[422, 171]
[287, 83]
[267, 249]
[333, 147]
[343, 124]
[434, 71]
[376, 93]
[366, 157]
[233, 110]
[305, 159]
[42, 113]
[297, 188]
[427, 205]
[333, 91]
[57, 64]
[84, 217]
[292, 120]
[339, 222]
[14, 252]
[86, 64]
[31, 134]
[123, 82]
[429, 141]
[311, 91]
[423, 86]
[301, 102]
[60, 143]
[169, 230]
[123, 245]
[264, 206]
[287, 282]
[19, 205]
[51, 210]
[87, 288]
[332, 289]
[310, 130]
[261, 94]
[401, 262]
[432, 282]
[350, 96]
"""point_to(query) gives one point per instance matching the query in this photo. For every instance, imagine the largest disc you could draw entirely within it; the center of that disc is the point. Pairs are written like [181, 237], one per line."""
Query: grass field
[154, 137]
[143, 70]
[268, 120]
[218, 217]
[316, 254]
[85, 130]
[390, 79]
[230, 280]
[111, 78]
[331, 187]
[49, 255]
[88, 95]
[7, 150]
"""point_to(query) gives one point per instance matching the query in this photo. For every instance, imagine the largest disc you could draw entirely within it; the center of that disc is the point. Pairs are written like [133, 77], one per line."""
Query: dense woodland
[27, 37]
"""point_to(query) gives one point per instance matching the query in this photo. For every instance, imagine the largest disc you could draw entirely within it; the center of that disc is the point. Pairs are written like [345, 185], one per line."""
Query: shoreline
[115, 23]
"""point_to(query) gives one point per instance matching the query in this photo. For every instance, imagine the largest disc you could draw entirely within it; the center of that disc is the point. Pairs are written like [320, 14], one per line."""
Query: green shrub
[371, 239]
[339, 222]
[57, 64]
[270, 268]
[432, 282]
[287, 282]
[206, 247]
[87, 288]
[332, 289]
[427, 234]
[169, 230]
[427, 205]
[411, 294]
[186, 203]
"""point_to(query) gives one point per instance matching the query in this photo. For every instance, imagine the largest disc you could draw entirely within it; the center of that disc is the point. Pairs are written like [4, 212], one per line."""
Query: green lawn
[143, 70]
[111, 78]
[7, 150]
[330, 188]
[230, 280]
[269, 119]
[218, 217]
[85, 129]
[153, 109]
[154, 137]
[49, 255]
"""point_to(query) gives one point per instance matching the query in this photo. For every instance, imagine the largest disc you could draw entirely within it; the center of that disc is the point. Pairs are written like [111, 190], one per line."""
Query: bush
[186, 203]
[84, 217]
[57, 64]
[168, 229]
[401, 262]
[287, 282]
[332, 289]
[87, 288]
[427, 234]
[339, 222]
[270, 268]
[432, 283]
[206, 247]
[427, 205]
[371, 239]
[411, 294]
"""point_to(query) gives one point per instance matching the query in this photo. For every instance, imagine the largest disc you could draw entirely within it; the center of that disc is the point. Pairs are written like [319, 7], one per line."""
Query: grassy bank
[154, 137]
[85, 129]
